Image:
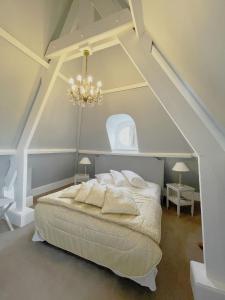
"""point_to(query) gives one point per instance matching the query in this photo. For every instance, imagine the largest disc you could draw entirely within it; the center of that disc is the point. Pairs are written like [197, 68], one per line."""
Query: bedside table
[78, 178]
[174, 194]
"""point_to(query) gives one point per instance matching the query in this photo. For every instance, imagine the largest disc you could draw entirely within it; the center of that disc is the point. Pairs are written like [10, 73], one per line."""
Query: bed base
[148, 280]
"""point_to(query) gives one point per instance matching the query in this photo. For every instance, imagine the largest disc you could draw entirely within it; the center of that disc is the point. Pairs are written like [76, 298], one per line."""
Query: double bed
[128, 245]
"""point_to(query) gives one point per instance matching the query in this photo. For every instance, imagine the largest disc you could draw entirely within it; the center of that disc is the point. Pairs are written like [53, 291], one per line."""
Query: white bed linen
[122, 249]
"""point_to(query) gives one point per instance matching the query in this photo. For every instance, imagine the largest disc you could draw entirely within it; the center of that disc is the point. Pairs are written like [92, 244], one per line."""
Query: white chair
[8, 193]
[5, 205]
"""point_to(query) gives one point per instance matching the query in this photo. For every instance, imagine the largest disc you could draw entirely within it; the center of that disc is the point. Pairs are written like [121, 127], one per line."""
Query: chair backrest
[11, 174]
[9, 181]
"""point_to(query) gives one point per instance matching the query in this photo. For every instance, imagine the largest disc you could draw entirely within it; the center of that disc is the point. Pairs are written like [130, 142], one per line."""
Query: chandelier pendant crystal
[83, 92]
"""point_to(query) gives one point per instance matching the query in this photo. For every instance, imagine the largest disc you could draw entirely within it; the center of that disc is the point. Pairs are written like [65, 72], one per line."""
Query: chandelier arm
[86, 63]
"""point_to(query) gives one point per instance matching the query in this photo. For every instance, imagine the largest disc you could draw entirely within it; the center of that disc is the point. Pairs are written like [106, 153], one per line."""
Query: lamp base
[180, 179]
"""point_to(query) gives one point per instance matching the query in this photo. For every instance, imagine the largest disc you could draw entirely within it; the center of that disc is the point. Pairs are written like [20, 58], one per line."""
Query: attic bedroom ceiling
[192, 40]
[57, 127]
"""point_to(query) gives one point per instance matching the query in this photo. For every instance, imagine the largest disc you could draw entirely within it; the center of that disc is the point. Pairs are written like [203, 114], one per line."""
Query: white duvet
[124, 243]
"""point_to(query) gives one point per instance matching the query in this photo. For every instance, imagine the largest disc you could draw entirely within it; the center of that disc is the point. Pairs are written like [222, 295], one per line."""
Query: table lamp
[181, 168]
[85, 161]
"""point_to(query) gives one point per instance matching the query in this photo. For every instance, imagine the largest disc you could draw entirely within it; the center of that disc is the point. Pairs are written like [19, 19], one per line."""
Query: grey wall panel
[49, 168]
[57, 126]
[155, 130]
[34, 23]
[112, 66]
[140, 164]
[181, 29]
[4, 166]
[190, 178]
[150, 168]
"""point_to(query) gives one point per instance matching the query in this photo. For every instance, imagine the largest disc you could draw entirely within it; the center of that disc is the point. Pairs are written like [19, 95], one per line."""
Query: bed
[128, 245]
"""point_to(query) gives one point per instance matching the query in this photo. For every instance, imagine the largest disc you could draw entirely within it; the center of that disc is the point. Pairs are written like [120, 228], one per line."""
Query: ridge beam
[99, 30]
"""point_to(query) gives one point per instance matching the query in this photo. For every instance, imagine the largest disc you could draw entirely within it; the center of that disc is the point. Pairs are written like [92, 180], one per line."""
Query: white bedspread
[127, 244]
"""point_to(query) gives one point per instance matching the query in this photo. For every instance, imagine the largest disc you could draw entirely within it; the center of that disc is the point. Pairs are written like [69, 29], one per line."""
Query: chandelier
[83, 92]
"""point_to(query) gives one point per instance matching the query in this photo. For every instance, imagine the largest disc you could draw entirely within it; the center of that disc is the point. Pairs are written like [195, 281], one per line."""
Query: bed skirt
[147, 281]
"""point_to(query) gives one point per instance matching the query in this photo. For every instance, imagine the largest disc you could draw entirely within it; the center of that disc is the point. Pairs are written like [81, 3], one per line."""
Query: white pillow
[70, 192]
[84, 191]
[119, 179]
[104, 178]
[118, 201]
[97, 195]
[134, 179]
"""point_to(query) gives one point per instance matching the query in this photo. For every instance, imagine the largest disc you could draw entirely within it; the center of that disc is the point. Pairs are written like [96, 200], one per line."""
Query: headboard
[150, 168]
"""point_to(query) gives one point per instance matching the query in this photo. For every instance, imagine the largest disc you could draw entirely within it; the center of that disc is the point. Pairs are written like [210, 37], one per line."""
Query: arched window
[122, 133]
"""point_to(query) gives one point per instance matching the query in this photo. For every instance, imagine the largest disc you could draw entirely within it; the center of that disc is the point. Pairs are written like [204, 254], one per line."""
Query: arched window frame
[114, 125]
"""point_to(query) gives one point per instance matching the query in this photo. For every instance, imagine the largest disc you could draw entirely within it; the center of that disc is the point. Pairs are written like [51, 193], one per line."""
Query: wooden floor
[41, 271]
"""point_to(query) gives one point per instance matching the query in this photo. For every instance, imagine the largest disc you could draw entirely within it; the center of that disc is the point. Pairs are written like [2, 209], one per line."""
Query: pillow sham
[70, 192]
[104, 178]
[118, 201]
[84, 191]
[97, 195]
[134, 179]
[119, 179]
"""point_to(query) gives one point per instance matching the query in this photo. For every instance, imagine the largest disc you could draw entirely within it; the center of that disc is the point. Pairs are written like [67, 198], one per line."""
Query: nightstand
[174, 194]
[78, 178]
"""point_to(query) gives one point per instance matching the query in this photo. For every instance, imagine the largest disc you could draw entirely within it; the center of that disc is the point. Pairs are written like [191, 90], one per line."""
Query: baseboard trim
[51, 186]
[203, 288]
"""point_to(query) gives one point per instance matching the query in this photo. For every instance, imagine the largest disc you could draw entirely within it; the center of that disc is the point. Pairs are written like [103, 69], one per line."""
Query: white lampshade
[85, 161]
[180, 167]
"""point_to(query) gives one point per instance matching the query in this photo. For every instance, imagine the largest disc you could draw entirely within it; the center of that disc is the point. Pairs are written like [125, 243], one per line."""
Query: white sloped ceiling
[112, 66]
[57, 126]
[36, 23]
[155, 131]
[190, 34]
[33, 23]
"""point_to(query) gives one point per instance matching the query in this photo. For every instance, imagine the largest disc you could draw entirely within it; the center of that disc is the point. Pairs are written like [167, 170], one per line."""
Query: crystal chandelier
[83, 92]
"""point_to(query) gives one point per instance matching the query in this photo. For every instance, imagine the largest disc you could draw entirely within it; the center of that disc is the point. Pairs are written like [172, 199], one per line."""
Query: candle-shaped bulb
[99, 84]
[90, 79]
[79, 78]
[71, 81]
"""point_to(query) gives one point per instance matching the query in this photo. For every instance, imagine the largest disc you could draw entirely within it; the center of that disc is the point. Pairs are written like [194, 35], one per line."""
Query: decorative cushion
[104, 178]
[97, 195]
[118, 201]
[70, 192]
[119, 179]
[84, 191]
[134, 179]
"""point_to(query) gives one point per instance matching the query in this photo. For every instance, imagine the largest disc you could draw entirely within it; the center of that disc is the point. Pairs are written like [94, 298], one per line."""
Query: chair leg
[178, 210]
[4, 213]
[8, 222]
[167, 199]
[192, 208]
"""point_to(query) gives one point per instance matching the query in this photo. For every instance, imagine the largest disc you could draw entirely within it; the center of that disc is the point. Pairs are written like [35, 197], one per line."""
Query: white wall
[33, 23]
[112, 66]
[155, 131]
[57, 127]
[190, 34]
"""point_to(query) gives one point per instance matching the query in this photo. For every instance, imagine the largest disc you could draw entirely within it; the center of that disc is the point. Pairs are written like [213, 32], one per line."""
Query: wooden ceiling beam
[99, 30]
